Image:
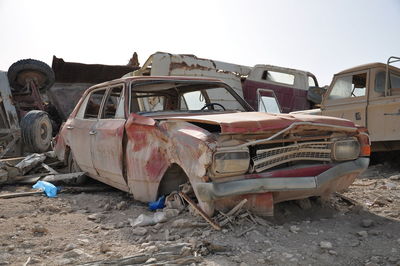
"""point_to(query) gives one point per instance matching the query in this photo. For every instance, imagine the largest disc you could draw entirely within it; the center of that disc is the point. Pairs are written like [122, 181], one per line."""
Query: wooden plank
[48, 168]
[62, 177]
[20, 194]
[12, 160]
[200, 211]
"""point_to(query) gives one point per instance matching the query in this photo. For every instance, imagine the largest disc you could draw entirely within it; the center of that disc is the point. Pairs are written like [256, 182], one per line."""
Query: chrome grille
[268, 158]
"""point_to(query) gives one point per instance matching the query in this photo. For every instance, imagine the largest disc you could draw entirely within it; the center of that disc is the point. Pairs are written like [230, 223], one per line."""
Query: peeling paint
[136, 154]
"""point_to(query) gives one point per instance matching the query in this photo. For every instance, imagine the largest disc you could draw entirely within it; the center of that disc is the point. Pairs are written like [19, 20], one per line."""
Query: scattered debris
[347, 199]
[178, 254]
[30, 162]
[200, 211]
[245, 231]
[49, 189]
[175, 201]
[29, 169]
[21, 194]
[144, 220]
[62, 177]
[325, 245]
[158, 204]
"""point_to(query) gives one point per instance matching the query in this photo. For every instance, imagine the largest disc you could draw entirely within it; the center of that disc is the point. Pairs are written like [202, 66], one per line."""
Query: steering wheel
[212, 104]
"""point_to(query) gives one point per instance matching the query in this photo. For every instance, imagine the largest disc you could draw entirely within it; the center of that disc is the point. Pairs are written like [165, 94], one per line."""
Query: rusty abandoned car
[148, 135]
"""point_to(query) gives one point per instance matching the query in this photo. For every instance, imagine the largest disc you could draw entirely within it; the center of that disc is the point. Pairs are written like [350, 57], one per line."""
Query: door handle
[92, 132]
[398, 113]
[70, 127]
[391, 114]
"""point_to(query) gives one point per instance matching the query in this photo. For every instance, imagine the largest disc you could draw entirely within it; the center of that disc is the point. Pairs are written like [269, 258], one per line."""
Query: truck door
[107, 140]
[347, 97]
[267, 101]
[384, 111]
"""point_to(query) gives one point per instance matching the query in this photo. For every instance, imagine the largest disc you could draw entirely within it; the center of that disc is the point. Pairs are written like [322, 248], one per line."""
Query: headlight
[233, 162]
[348, 149]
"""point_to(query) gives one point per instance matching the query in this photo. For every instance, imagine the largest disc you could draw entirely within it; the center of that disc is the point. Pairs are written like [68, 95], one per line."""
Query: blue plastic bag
[49, 189]
[158, 204]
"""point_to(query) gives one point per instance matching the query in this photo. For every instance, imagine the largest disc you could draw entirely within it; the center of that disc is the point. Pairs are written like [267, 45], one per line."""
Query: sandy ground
[361, 228]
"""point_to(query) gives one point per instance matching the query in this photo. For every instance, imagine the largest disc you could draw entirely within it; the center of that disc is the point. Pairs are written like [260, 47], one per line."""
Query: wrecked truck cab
[149, 135]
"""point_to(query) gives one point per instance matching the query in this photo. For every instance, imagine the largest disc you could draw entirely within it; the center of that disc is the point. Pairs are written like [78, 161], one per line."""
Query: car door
[384, 110]
[80, 130]
[347, 97]
[107, 139]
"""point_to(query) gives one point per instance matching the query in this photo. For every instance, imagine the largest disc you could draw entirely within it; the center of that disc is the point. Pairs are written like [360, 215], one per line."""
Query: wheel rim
[44, 131]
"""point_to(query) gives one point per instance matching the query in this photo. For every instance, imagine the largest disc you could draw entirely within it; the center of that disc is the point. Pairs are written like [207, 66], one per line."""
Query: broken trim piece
[255, 142]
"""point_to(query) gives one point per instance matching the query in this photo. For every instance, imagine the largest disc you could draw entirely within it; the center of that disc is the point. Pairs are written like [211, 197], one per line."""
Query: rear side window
[268, 104]
[93, 104]
[311, 82]
[380, 81]
[113, 103]
[278, 77]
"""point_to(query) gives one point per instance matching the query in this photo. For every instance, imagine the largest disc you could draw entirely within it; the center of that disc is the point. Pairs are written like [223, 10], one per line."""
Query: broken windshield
[174, 97]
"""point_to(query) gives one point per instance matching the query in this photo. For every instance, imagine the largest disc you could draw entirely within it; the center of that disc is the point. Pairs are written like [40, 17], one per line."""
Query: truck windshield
[349, 86]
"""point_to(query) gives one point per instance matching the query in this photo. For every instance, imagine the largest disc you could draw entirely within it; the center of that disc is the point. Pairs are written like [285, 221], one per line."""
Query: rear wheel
[29, 69]
[73, 167]
[37, 131]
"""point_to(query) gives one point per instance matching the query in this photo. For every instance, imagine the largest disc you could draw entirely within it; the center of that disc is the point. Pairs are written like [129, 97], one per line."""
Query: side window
[349, 86]
[311, 82]
[268, 104]
[380, 81]
[93, 104]
[113, 103]
[278, 77]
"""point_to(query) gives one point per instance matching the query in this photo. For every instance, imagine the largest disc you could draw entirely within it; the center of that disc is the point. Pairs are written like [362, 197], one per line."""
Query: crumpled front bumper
[212, 191]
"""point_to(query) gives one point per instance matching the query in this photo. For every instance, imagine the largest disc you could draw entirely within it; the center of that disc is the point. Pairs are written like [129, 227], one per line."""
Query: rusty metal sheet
[137, 154]
[68, 72]
[107, 149]
[248, 122]
[152, 149]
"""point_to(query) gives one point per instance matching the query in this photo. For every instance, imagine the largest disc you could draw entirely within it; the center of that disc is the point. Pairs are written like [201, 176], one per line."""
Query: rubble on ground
[98, 228]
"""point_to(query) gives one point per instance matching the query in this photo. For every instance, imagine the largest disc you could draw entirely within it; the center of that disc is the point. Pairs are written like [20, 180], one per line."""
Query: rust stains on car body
[165, 133]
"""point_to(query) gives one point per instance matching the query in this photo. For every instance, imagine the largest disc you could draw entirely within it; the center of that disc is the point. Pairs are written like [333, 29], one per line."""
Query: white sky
[320, 36]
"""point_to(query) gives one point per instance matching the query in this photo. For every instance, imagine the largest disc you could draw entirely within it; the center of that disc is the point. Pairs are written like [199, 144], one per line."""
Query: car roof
[156, 78]
[367, 66]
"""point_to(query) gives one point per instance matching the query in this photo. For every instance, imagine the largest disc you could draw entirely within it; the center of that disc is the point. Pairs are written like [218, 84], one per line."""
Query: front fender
[152, 148]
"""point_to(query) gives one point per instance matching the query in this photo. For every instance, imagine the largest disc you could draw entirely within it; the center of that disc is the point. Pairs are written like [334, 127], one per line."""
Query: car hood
[252, 122]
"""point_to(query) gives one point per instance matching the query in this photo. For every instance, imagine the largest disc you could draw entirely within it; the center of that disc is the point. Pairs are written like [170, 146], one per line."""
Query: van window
[311, 82]
[278, 77]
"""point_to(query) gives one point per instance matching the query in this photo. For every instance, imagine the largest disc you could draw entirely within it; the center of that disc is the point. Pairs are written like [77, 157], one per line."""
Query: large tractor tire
[37, 131]
[23, 70]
